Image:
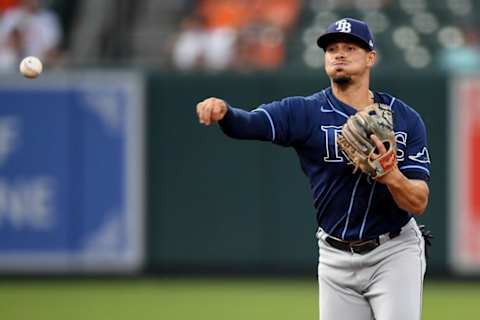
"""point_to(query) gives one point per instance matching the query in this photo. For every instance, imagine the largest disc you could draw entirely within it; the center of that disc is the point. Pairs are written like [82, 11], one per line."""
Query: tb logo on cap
[344, 26]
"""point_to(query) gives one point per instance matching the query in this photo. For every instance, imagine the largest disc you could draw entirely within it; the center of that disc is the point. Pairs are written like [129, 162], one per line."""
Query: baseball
[31, 67]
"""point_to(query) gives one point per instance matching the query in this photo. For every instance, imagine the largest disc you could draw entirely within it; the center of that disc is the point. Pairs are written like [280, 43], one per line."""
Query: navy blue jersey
[348, 206]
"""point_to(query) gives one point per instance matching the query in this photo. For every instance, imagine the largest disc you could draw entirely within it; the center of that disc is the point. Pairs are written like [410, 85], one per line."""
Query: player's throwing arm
[211, 110]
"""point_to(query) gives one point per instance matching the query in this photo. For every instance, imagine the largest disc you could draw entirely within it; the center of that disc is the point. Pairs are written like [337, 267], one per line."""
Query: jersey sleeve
[245, 125]
[288, 119]
[416, 164]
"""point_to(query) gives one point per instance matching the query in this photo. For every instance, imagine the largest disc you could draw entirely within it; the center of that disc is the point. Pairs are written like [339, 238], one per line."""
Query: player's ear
[371, 58]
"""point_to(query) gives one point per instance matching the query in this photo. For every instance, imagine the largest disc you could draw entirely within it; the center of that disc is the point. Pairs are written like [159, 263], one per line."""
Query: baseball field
[211, 299]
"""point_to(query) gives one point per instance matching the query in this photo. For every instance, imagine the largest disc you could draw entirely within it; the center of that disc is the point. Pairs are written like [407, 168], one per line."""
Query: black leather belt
[360, 247]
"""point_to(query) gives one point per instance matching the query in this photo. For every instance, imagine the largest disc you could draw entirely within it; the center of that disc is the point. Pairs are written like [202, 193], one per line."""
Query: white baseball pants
[384, 284]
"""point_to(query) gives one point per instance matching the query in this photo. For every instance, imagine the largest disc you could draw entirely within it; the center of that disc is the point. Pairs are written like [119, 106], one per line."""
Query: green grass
[198, 299]
[456, 301]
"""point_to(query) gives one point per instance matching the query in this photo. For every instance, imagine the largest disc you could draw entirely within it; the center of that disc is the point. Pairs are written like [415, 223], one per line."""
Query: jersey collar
[348, 109]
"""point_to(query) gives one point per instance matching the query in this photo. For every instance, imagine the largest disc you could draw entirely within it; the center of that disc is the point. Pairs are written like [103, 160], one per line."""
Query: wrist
[227, 113]
[392, 178]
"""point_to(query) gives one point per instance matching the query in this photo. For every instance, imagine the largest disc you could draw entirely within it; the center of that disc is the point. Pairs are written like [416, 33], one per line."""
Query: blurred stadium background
[115, 203]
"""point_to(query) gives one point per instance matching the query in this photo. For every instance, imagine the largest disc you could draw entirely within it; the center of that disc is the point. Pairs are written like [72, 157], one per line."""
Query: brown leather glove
[359, 148]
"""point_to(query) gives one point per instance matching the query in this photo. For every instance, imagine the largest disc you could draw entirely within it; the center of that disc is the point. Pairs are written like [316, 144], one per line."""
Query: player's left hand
[379, 152]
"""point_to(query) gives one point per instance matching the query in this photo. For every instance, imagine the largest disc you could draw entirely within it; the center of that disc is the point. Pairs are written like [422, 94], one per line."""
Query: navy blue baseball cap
[356, 30]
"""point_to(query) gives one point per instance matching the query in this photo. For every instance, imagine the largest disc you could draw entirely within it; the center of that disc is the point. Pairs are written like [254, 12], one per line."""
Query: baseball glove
[359, 148]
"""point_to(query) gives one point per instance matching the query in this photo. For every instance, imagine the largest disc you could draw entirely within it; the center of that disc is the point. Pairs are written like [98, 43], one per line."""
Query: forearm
[410, 195]
[241, 124]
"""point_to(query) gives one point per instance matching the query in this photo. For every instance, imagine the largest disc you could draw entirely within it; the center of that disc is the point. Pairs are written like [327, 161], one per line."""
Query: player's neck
[357, 96]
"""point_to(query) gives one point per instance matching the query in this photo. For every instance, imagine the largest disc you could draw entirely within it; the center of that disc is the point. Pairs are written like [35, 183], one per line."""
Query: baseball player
[371, 251]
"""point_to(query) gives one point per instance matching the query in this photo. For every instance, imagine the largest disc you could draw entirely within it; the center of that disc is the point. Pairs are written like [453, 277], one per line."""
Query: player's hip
[407, 236]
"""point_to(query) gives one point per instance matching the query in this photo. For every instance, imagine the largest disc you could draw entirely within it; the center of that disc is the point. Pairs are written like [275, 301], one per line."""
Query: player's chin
[342, 79]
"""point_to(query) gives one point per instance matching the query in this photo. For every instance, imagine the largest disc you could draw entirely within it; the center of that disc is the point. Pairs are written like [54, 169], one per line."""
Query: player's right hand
[211, 110]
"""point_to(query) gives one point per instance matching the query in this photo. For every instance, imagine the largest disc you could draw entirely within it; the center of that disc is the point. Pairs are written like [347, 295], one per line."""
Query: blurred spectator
[198, 47]
[240, 34]
[29, 29]
[188, 51]
[229, 14]
[208, 37]
[261, 45]
[8, 51]
[280, 13]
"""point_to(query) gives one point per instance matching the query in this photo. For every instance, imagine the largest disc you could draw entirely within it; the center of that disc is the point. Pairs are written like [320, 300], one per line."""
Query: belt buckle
[352, 250]
[357, 248]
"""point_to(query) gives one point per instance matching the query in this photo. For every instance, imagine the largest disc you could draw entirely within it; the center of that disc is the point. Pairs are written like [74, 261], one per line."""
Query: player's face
[345, 61]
